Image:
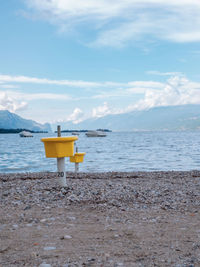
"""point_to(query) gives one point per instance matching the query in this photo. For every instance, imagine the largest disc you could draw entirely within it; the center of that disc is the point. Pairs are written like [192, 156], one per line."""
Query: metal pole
[59, 131]
[76, 164]
[61, 164]
[76, 167]
[61, 171]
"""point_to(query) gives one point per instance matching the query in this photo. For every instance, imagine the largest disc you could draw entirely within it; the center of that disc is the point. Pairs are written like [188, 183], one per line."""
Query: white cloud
[7, 102]
[116, 22]
[140, 87]
[29, 97]
[78, 84]
[177, 91]
[7, 86]
[33, 80]
[76, 116]
[46, 96]
[155, 72]
[101, 111]
[15, 101]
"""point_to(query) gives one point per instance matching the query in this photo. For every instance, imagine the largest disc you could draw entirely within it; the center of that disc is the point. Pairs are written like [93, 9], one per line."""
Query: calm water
[137, 151]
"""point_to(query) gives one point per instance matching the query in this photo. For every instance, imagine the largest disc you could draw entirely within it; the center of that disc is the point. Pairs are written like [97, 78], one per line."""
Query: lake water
[118, 151]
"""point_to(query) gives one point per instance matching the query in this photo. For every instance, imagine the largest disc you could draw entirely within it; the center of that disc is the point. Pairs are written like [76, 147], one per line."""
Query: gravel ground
[100, 219]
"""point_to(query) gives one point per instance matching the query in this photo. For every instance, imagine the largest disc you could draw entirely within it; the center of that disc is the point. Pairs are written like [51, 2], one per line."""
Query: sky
[69, 60]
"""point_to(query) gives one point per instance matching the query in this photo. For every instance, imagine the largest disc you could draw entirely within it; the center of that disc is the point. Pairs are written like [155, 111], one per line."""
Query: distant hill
[10, 120]
[186, 117]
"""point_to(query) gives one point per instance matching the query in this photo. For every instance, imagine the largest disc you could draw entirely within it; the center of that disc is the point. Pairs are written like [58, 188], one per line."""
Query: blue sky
[69, 60]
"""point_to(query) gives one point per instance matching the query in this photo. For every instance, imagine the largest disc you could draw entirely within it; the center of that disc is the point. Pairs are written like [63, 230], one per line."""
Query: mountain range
[10, 120]
[169, 118]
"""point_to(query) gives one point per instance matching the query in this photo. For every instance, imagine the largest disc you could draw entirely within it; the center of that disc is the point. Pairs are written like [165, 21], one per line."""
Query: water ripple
[143, 151]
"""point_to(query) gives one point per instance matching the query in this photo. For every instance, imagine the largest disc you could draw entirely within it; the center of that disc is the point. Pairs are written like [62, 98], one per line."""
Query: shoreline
[82, 174]
[100, 219]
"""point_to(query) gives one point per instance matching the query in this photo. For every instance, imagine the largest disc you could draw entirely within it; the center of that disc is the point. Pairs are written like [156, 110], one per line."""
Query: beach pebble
[49, 248]
[67, 237]
[45, 265]
[91, 259]
[72, 218]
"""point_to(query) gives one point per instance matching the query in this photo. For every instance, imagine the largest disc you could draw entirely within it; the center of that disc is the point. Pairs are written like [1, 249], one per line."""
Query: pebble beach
[100, 219]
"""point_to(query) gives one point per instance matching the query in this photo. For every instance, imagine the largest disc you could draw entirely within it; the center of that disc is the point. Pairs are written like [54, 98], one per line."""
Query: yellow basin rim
[60, 139]
[79, 153]
[78, 157]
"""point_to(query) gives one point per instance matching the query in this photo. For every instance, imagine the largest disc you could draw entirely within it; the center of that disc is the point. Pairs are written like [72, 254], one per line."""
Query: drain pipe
[76, 164]
[61, 165]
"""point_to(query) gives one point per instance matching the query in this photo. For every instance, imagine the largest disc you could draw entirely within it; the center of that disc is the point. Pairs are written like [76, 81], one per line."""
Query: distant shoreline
[84, 131]
[11, 131]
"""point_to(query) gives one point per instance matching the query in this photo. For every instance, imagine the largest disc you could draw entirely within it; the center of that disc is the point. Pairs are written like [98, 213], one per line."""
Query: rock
[67, 237]
[91, 259]
[45, 265]
[49, 248]
[27, 207]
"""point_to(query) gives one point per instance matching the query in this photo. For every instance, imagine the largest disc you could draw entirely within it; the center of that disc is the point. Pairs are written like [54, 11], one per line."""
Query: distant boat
[75, 133]
[95, 134]
[25, 134]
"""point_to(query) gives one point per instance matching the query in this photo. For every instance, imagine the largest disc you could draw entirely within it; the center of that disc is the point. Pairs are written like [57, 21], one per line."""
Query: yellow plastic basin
[78, 157]
[59, 147]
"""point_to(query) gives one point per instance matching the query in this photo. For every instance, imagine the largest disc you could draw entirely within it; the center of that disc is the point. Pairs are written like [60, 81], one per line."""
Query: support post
[76, 164]
[61, 171]
[61, 164]
[58, 131]
[76, 167]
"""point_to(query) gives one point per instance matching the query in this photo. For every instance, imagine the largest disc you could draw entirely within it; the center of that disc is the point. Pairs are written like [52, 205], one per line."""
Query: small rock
[67, 237]
[27, 207]
[72, 218]
[49, 248]
[91, 259]
[45, 265]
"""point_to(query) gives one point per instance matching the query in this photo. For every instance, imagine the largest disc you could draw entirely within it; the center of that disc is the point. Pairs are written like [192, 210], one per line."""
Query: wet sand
[100, 219]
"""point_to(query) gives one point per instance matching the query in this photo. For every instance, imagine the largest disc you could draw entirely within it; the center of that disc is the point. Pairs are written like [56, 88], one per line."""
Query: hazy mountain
[10, 120]
[186, 117]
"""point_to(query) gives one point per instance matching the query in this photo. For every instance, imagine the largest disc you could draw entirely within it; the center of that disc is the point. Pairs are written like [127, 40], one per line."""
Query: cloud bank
[116, 22]
[76, 116]
[176, 90]
[7, 102]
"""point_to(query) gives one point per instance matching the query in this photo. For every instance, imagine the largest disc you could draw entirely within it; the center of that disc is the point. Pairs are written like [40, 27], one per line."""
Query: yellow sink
[78, 157]
[59, 147]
